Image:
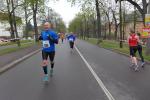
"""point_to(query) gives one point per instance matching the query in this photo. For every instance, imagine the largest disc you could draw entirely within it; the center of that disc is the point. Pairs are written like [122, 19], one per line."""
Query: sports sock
[45, 69]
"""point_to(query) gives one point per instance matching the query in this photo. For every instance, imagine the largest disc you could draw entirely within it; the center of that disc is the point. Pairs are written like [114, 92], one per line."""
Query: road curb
[12, 64]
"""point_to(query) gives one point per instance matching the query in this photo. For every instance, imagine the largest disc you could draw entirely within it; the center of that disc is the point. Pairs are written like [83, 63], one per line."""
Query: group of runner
[49, 38]
[135, 44]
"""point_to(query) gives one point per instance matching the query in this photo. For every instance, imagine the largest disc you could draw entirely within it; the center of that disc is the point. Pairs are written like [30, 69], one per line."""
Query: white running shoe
[136, 68]
[142, 64]
[132, 65]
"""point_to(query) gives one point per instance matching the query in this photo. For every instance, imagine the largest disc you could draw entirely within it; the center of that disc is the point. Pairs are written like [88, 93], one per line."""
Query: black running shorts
[71, 44]
[45, 55]
[133, 50]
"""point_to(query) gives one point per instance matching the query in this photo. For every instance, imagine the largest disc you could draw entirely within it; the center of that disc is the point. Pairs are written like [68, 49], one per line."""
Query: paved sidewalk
[7, 58]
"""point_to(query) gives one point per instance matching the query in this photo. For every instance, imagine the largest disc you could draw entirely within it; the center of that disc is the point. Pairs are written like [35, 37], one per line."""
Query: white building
[4, 30]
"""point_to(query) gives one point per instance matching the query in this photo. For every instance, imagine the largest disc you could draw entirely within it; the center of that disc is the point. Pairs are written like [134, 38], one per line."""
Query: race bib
[46, 44]
[71, 39]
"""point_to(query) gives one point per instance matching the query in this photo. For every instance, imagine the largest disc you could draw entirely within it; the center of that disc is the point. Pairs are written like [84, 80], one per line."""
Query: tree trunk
[85, 27]
[15, 25]
[34, 8]
[124, 24]
[26, 20]
[35, 26]
[98, 21]
[105, 28]
[116, 25]
[87, 24]
[94, 29]
[134, 18]
[109, 25]
[144, 9]
[10, 19]
[11, 26]
[120, 11]
[81, 30]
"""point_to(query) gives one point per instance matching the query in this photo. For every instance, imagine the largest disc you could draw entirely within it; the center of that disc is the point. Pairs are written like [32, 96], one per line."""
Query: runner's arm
[128, 39]
[138, 39]
[40, 37]
[53, 39]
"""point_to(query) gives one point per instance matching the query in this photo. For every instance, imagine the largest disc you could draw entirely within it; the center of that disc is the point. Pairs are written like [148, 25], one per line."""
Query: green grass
[12, 43]
[114, 45]
[14, 49]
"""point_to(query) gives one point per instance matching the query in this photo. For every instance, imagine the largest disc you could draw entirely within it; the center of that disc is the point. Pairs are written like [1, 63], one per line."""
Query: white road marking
[101, 84]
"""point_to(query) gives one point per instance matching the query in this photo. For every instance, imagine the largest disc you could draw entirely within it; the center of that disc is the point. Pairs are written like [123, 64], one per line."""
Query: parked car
[1, 41]
[4, 40]
[14, 39]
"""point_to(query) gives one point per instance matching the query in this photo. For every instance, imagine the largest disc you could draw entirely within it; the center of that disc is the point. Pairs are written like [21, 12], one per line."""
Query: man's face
[47, 26]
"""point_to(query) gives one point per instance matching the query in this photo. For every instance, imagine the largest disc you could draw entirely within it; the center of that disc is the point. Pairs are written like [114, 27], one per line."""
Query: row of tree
[26, 8]
[54, 18]
[97, 16]
[27, 11]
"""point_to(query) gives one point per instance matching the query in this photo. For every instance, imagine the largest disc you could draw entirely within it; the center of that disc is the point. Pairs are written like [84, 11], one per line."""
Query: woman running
[133, 41]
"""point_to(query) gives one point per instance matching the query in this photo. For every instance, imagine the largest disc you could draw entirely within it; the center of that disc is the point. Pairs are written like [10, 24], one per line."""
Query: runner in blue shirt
[49, 38]
[71, 39]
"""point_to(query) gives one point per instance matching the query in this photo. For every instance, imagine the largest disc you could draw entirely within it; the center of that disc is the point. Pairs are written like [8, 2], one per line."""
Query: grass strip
[15, 49]
[114, 45]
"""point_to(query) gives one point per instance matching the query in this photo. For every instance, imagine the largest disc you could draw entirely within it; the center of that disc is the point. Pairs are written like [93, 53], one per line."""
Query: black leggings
[51, 55]
[140, 52]
[62, 40]
[71, 44]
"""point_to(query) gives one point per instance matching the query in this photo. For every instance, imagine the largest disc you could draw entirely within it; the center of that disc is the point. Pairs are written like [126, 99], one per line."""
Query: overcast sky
[65, 9]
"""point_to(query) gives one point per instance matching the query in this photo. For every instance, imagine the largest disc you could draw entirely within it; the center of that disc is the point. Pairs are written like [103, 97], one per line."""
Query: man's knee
[44, 63]
[52, 62]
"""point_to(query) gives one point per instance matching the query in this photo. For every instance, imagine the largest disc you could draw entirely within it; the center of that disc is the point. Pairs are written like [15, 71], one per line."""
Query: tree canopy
[4, 18]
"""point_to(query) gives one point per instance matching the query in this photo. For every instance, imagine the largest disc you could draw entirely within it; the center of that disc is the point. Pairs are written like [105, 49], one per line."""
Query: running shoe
[136, 68]
[142, 64]
[45, 79]
[51, 72]
[132, 65]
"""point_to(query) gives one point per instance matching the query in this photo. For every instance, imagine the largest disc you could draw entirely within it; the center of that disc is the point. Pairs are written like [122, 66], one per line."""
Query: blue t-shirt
[71, 37]
[47, 45]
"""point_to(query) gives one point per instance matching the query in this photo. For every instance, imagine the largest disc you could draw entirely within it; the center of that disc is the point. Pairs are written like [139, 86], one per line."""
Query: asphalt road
[113, 69]
[73, 80]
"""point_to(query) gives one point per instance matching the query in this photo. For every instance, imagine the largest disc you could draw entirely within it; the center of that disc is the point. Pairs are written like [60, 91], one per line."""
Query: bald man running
[49, 38]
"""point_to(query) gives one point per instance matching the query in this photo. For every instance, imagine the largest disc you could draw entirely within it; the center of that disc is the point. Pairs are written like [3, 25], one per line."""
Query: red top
[133, 40]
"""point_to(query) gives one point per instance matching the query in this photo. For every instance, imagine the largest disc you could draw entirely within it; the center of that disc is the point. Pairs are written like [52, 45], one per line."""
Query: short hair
[46, 23]
[138, 34]
[132, 31]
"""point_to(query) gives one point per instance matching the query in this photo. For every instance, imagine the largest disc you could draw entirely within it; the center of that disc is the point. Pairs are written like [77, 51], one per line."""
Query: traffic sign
[145, 33]
[147, 19]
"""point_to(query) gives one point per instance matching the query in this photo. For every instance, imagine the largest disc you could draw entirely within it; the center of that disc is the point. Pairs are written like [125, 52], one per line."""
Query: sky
[65, 9]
